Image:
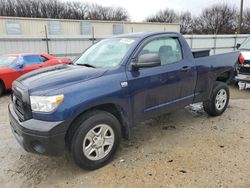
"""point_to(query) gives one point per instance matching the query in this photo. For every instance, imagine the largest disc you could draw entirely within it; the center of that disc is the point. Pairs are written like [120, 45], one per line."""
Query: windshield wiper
[86, 65]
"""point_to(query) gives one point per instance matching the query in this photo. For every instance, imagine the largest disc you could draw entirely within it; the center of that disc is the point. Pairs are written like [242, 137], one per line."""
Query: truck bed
[208, 68]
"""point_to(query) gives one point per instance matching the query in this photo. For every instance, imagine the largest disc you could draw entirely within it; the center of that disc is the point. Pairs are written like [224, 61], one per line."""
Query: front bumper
[243, 78]
[40, 137]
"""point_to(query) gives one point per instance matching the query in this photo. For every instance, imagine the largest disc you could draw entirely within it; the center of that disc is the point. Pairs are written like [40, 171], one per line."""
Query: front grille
[19, 106]
[20, 100]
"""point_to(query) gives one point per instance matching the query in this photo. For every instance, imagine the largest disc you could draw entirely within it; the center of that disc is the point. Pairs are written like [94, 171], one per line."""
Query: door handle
[185, 68]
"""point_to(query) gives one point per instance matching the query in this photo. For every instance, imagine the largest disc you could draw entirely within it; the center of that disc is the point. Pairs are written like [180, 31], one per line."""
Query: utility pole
[46, 38]
[241, 17]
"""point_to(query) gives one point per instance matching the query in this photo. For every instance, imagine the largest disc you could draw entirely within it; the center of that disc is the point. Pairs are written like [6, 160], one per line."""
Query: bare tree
[61, 10]
[217, 19]
[186, 22]
[246, 21]
[170, 16]
[77, 10]
[167, 15]
[118, 13]
[98, 12]
[7, 8]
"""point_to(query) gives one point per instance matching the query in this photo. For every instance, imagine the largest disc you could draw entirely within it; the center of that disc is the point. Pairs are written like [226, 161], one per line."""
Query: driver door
[155, 90]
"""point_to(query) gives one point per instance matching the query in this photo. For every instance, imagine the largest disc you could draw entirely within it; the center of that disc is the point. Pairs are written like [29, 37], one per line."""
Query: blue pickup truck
[87, 108]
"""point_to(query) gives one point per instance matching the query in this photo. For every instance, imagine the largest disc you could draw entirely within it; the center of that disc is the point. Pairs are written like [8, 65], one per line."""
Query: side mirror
[238, 45]
[146, 60]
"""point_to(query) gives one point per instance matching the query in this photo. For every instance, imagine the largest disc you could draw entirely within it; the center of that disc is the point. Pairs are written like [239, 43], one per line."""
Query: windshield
[106, 53]
[6, 61]
[246, 44]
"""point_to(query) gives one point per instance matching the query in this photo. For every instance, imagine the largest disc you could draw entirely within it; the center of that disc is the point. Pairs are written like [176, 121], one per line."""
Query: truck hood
[59, 76]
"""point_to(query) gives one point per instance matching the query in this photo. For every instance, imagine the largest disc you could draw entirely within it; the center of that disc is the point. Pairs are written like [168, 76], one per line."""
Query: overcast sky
[139, 9]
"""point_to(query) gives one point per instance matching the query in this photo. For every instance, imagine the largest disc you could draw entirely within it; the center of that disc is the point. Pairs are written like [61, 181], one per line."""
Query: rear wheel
[96, 140]
[218, 101]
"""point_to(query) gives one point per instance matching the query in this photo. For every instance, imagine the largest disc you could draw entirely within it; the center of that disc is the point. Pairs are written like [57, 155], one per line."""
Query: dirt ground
[183, 149]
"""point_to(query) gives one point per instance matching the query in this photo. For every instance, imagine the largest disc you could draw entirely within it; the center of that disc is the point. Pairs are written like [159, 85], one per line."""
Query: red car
[13, 66]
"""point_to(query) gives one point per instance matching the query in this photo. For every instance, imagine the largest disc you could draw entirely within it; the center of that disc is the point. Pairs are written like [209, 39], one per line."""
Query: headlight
[45, 103]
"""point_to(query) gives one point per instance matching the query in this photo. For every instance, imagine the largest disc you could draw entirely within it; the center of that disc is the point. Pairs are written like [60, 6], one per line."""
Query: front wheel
[218, 101]
[96, 139]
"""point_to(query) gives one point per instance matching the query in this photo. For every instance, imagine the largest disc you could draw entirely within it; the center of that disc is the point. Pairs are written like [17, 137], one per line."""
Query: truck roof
[143, 34]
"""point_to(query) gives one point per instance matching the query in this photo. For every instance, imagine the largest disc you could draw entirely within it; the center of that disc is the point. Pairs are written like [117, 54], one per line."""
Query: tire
[1, 89]
[218, 101]
[96, 139]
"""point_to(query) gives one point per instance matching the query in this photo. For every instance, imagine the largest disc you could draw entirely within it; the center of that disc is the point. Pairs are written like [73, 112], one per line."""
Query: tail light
[241, 59]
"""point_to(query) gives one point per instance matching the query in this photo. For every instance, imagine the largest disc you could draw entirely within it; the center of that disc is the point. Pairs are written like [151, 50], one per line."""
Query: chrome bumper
[243, 78]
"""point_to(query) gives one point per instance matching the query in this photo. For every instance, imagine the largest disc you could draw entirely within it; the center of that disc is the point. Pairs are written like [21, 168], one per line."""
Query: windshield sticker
[127, 41]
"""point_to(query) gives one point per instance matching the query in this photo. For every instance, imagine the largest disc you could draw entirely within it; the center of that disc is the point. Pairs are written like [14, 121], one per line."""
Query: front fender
[83, 96]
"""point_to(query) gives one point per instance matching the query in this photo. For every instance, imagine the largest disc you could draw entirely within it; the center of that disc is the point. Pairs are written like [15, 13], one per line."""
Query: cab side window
[168, 49]
[32, 60]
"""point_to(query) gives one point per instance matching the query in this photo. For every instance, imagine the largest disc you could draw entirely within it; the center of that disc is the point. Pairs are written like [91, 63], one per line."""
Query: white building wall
[102, 29]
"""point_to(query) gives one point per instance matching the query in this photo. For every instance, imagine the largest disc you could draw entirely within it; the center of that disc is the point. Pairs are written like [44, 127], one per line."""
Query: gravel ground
[183, 149]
